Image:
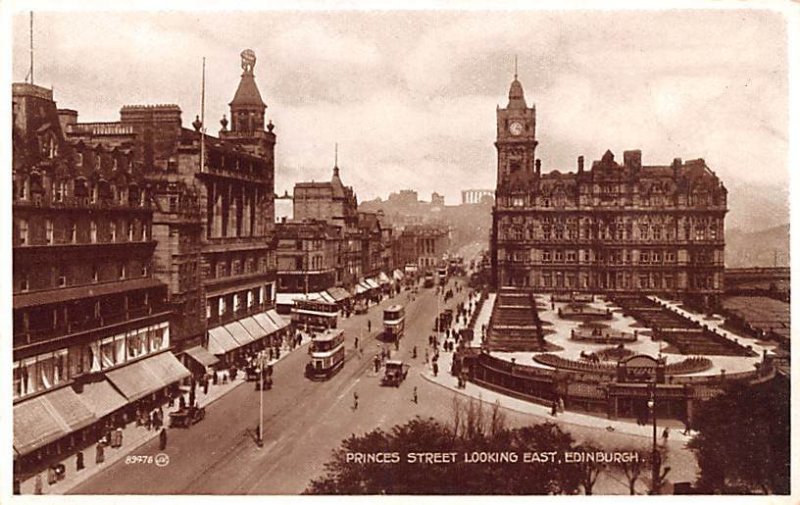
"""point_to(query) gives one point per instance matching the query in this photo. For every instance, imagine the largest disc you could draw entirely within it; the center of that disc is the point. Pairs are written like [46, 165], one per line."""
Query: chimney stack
[677, 163]
[580, 164]
[538, 166]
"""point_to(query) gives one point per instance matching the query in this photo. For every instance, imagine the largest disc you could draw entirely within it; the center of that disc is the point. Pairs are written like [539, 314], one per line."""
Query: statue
[248, 60]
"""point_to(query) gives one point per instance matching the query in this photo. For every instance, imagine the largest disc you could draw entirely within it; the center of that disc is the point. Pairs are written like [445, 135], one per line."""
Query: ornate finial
[515, 67]
[336, 155]
[248, 60]
[197, 123]
[224, 123]
[270, 126]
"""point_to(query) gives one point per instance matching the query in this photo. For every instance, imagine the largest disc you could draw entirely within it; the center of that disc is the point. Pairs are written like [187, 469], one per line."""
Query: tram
[327, 355]
[316, 315]
[394, 321]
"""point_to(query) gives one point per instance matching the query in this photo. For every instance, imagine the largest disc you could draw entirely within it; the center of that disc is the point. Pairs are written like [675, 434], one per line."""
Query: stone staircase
[514, 324]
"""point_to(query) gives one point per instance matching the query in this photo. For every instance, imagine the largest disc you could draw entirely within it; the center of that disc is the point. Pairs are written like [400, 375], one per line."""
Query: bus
[428, 282]
[315, 315]
[394, 323]
[327, 355]
[442, 274]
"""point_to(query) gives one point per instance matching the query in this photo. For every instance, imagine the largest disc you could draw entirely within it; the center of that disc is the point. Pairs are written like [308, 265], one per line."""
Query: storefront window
[18, 379]
[107, 353]
[119, 347]
[156, 339]
[94, 356]
[46, 372]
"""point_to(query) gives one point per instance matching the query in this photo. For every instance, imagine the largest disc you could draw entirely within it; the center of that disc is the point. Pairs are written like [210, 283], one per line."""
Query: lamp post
[655, 463]
[262, 367]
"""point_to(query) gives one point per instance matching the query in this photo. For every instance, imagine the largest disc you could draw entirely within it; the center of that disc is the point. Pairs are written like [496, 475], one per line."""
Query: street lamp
[655, 463]
[262, 369]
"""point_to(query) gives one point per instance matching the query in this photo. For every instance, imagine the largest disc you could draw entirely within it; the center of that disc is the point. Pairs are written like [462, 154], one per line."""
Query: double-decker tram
[394, 321]
[316, 315]
[327, 355]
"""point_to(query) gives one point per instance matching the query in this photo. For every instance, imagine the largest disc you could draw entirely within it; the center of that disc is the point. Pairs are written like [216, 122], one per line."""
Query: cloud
[411, 96]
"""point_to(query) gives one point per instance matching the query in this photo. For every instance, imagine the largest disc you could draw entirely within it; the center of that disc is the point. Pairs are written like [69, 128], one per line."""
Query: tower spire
[515, 67]
[336, 159]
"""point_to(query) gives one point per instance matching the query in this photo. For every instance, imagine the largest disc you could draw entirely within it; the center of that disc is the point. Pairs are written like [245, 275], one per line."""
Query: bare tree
[589, 470]
[633, 467]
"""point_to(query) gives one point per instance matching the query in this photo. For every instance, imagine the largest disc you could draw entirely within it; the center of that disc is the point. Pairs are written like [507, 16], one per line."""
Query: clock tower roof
[516, 96]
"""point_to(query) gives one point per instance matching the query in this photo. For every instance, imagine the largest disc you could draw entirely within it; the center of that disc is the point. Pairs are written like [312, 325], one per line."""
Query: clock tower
[516, 143]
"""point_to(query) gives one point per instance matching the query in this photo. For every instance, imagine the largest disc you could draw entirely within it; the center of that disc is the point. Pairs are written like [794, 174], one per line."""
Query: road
[303, 421]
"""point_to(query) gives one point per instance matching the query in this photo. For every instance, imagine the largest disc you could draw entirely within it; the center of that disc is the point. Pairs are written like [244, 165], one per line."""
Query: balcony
[108, 323]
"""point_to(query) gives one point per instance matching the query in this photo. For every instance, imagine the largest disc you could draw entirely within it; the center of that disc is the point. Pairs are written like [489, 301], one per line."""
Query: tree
[472, 432]
[588, 470]
[633, 467]
[743, 441]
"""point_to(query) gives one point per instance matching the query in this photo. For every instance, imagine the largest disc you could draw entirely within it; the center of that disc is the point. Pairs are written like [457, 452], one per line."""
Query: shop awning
[279, 320]
[101, 398]
[362, 287]
[220, 341]
[384, 279]
[252, 327]
[398, 275]
[286, 298]
[325, 296]
[372, 283]
[141, 378]
[202, 356]
[239, 333]
[339, 293]
[167, 368]
[265, 322]
[48, 417]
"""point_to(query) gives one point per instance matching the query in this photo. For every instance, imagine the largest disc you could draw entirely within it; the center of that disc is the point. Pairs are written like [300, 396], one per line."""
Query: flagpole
[203, 119]
[31, 34]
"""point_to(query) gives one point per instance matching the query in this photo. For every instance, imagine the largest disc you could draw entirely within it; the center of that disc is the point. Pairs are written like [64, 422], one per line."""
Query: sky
[410, 97]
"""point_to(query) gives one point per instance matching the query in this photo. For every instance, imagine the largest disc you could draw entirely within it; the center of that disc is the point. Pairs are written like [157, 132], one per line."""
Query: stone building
[336, 204]
[214, 215]
[423, 246]
[307, 254]
[615, 227]
[88, 309]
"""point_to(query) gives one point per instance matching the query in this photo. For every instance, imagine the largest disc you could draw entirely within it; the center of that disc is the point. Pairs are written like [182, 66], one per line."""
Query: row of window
[36, 187]
[247, 265]
[73, 232]
[235, 302]
[60, 279]
[656, 201]
[45, 371]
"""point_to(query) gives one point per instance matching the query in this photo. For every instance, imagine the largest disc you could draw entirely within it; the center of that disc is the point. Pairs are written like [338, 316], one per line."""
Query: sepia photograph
[368, 250]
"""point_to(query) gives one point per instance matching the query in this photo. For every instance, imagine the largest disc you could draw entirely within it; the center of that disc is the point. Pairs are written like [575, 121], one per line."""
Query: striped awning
[327, 297]
[280, 321]
[398, 275]
[372, 283]
[202, 356]
[101, 398]
[265, 322]
[339, 293]
[384, 279]
[220, 341]
[48, 417]
[146, 376]
[240, 333]
[252, 327]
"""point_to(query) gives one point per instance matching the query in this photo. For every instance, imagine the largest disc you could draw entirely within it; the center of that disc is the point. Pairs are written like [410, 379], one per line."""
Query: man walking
[414, 399]
[162, 439]
[355, 400]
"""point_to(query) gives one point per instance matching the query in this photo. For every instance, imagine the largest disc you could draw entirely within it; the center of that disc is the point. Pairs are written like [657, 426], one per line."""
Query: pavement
[304, 421]
[133, 436]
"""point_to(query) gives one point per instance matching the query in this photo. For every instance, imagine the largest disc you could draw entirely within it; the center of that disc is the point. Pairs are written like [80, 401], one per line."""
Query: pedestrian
[435, 369]
[37, 484]
[205, 385]
[79, 461]
[355, 344]
[191, 397]
[162, 439]
[369, 325]
[182, 403]
[426, 356]
[561, 404]
[665, 436]
[355, 400]
[99, 454]
[376, 363]
[397, 344]
[554, 409]
[415, 395]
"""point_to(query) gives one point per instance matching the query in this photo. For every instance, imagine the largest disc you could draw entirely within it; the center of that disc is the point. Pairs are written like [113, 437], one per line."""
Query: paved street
[304, 421]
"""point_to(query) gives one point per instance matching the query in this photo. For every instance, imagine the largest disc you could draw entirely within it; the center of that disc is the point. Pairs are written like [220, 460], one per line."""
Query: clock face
[515, 128]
